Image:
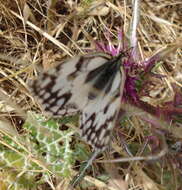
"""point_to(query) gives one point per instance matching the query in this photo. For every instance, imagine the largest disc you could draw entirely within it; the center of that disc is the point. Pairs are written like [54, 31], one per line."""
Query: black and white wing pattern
[92, 84]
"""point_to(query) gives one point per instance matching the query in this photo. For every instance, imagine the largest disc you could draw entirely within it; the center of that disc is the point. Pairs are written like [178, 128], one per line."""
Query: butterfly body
[92, 84]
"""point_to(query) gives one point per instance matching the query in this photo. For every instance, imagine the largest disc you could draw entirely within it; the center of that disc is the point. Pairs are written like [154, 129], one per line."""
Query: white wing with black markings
[92, 84]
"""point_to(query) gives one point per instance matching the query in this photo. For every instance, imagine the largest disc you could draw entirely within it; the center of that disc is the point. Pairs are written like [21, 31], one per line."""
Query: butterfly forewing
[61, 90]
[90, 84]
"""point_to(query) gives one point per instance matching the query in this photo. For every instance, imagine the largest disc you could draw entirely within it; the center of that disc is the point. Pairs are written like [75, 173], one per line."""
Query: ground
[37, 34]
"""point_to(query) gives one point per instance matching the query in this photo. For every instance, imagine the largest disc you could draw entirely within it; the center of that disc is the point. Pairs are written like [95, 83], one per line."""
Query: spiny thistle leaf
[45, 148]
[52, 143]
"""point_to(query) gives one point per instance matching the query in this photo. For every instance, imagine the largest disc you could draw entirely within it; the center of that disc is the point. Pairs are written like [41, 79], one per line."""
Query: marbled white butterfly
[92, 84]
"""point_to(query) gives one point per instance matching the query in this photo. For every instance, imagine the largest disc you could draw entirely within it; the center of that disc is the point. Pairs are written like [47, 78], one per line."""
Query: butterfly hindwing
[96, 125]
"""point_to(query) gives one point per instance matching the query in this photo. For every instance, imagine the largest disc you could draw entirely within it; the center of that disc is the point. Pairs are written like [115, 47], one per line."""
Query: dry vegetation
[34, 34]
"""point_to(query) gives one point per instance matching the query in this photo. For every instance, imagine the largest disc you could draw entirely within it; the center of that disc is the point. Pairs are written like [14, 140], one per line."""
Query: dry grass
[34, 34]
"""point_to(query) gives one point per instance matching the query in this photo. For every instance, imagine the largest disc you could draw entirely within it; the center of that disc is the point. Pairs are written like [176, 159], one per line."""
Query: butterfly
[91, 84]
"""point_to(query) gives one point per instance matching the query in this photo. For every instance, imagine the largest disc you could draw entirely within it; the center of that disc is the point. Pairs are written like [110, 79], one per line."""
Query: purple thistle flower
[134, 70]
[109, 47]
[129, 65]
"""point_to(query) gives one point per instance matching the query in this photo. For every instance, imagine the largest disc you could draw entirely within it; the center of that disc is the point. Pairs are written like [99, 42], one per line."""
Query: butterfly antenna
[76, 180]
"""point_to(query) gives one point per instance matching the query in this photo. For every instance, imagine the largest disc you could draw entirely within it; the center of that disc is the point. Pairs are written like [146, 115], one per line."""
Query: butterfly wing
[61, 90]
[98, 119]
[100, 113]
[90, 84]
